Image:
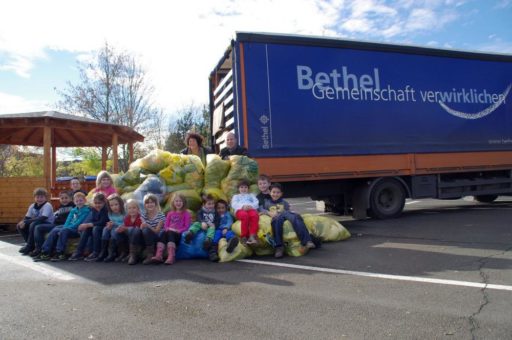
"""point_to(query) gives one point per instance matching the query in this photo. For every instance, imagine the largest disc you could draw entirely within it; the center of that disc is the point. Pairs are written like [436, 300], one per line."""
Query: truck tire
[486, 198]
[387, 199]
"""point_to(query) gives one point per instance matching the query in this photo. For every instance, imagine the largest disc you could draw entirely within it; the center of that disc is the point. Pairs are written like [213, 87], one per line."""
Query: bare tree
[112, 88]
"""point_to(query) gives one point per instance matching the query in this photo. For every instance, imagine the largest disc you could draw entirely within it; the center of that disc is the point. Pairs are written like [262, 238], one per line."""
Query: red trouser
[249, 222]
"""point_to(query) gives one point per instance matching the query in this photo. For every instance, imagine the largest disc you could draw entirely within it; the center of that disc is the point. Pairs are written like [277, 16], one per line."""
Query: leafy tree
[113, 88]
[192, 118]
[17, 161]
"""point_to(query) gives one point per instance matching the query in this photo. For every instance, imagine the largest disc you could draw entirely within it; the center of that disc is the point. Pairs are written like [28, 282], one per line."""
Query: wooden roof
[68, 130]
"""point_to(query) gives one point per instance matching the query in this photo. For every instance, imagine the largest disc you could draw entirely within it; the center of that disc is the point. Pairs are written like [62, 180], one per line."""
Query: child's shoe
[76, 257]
[232, 244]
[213, 255]
[279, 252]
[190, 235]
[35, 253]
[25, 250]
[158, 258]
[91, 258]
[243, 240]
[310, 245]
[42, 257]
[171, 253]
[58, 257]
[252, 240]
[207, 244]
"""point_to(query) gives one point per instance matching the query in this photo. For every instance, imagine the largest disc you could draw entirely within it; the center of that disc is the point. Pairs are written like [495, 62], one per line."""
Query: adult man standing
[232, 147]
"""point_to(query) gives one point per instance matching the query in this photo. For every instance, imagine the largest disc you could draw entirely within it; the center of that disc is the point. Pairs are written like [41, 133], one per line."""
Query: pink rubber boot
[159, 253]
[171, 251]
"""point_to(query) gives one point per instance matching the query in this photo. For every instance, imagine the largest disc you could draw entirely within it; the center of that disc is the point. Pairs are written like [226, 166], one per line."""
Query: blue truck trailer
[363, 126]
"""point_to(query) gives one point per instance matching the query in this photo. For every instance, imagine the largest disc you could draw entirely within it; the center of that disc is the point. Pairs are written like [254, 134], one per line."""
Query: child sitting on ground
[66, 204]
[205, 221]
[116, 216]
[41, 211]
[98, 218]
[130, 232]
[176, 222]
[263, 187]
[245, 205]
[59, 235]
[225, 221]
[279, 210]
[152, 222]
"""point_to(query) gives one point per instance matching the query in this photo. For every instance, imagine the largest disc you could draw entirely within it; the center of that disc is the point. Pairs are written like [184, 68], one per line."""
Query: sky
[180, 42]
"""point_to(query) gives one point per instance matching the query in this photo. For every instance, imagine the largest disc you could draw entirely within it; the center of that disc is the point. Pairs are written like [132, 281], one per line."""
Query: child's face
[243, 189]
[276, 193]
[178, 203]
[133, 210]
[39, 199]
[114, 206]
[64, 199]
[221, 209]
[263, 185]
[75, 184]
[105, 182]
[209, 205]
[79, 201]
[99, 204]
[150, 205]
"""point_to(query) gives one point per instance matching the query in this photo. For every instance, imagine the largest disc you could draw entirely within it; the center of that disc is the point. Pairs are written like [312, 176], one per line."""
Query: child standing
[245, 205]
[225, 221]
[130, 232]
[98, 218]
[66, 204]
[263, 187]
[206, 218]
[41, 211]
[152, 222]
[176, 222]
[279, 210]
[116, 215]
[60, 234]
[105, 184]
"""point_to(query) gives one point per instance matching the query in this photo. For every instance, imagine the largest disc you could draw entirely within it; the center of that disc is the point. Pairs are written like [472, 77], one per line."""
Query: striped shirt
[153, 222]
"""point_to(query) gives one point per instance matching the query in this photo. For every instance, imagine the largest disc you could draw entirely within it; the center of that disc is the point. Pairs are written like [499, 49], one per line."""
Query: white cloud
[17, 104]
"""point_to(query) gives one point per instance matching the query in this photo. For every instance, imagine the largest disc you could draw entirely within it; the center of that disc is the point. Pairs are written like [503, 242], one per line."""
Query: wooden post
[103, 158]
[54, 165]
[130, 152]
[47, 141]
[115, 167]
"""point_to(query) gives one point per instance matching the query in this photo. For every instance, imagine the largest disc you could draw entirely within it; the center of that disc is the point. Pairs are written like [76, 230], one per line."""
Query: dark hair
[116, 197]
[99, 196]
[67, 193]
[222, 202]
[41, 192]
[196, 136]
[243, 182]
[277, 186]
[206, 198]
[263, 177]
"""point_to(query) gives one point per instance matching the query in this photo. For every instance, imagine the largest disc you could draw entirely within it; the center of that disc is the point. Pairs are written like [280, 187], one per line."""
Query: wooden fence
[16, 196]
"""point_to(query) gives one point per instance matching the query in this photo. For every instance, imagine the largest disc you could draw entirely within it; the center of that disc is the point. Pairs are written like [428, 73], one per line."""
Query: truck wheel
[387, 199]
[486, 198]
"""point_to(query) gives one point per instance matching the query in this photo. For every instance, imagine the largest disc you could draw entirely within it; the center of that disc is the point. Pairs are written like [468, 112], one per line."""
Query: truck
[364, 126]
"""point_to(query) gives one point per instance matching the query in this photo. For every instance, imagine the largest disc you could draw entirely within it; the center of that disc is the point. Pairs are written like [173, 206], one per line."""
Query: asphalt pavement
[441, 270]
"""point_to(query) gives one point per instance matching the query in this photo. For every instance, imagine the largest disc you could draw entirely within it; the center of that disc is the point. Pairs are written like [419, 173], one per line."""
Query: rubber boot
[159, 253]
[134, 254]
[171, 253]
[149, 255]
[124, 252]
[111, 251]
[104, 251]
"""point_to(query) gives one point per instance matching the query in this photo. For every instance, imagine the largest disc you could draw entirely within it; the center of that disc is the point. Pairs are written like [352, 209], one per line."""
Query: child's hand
[21, 225]
[247, 207]
[224, 232]
[144, 225]
[204, 226]
[82, 227]
[121, 229]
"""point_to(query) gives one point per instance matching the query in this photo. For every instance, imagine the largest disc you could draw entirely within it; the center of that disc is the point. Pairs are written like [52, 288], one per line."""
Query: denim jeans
[97, 232]
[64, 235]
[150, 237]
[40, 231]
[51, 240]
[132, 235]
[218, 235]
[28, 233]
[85, 238]
[297, 223]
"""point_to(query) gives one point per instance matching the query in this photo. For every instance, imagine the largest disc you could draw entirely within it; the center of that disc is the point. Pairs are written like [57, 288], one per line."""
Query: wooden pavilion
[51, 129]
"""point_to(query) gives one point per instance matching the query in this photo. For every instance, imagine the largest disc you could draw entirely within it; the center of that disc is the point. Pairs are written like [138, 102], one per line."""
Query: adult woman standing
[194, 142]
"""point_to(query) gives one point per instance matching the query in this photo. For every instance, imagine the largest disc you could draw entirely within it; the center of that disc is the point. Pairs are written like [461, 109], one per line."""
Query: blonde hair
[79, 194]
[103, 174]
[151, 197]
[132, 202]
[183, 199]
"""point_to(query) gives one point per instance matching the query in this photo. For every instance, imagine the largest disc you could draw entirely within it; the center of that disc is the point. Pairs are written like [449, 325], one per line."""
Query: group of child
[111, 230]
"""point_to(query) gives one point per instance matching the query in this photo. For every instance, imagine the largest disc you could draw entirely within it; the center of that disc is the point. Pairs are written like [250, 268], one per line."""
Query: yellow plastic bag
[216, 170]
[325, 228]
[238, 253]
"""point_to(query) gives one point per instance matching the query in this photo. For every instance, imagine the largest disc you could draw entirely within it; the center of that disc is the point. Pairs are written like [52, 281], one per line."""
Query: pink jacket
[177, 221]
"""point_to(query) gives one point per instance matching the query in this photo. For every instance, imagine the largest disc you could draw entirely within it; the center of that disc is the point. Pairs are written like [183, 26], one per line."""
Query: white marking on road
[35, 266]
[412, 202]
[384, 276]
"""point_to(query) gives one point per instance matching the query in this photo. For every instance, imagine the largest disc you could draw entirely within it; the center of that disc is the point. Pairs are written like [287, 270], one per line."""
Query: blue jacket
[225, 221]
[76, 217]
